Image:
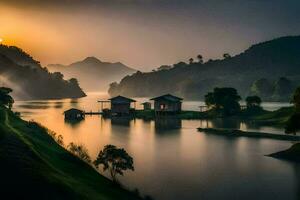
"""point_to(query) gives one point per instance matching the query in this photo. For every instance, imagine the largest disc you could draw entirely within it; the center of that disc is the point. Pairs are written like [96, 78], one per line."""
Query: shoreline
[239, 133]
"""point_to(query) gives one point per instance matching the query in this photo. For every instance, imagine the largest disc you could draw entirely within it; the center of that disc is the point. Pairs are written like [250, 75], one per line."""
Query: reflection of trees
[73, 102]
[296, 167]
[225, 123]
[37, 106]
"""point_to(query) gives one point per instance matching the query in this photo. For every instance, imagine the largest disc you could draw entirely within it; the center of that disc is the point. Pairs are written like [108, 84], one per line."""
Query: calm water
[172, 159]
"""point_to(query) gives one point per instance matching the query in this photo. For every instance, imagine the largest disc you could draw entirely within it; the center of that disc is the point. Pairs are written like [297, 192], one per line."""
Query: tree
[293, 123]
[200, 59]
[296, 99]
[225, 100]
[57, 75]
[79, 151]
[253, 101]
[115, 160]
[226, 55]
[164, 67]
[74, 82]
[191, 60]
[5, 98]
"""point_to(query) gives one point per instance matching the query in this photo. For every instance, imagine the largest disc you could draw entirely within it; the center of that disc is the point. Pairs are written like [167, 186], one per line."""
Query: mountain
[93, 74]
[274, 60]
[19, 71]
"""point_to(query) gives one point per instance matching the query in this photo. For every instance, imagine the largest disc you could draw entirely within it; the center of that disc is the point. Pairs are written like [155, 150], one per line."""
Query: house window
[163, 106]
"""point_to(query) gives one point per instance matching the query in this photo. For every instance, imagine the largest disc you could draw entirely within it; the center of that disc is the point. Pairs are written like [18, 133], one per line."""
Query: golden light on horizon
[1, 40]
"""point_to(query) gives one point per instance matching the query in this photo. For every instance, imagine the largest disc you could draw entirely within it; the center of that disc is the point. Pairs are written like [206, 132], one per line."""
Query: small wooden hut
[167, 104]
[146, 105]
[74, 114]
[121, 105]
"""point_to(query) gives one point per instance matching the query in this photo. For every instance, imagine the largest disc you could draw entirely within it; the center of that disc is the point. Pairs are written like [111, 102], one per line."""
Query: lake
[172, 159]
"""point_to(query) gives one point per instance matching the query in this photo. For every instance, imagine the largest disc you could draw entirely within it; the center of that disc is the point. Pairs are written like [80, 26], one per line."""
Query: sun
[1, 40]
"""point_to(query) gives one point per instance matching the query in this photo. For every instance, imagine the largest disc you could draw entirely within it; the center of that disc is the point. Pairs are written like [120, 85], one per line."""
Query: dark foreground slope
[34, 166]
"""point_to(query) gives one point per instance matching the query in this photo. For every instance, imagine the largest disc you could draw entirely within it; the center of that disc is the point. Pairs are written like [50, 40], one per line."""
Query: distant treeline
[270, 70]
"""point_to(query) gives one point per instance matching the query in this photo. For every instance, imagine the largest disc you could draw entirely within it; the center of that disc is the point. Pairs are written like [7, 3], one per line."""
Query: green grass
[34, 166]
[275, 118]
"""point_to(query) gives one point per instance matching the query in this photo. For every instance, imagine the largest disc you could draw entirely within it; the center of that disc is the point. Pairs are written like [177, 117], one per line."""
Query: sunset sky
[143, 33]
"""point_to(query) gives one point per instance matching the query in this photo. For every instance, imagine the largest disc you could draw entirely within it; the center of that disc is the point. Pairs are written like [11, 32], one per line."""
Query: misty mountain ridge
[270, 60]
[93, 74]
[19, 71]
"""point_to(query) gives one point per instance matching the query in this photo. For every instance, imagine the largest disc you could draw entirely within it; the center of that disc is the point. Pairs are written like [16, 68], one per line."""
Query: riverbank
[239, 133]
[150, 115]
[261, 117]
[34, 166]
[291, 154]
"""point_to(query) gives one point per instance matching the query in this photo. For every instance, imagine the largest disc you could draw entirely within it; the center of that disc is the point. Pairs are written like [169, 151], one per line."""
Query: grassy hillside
[34, 166]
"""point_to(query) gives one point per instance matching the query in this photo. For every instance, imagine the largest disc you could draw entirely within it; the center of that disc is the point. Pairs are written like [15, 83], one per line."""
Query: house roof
[121, 99]
[74, 110]
[167, 97]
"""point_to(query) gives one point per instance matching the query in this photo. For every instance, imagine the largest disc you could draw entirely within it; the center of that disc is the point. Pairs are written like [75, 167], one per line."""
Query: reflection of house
[147, 105]
[121, 105]
[167, 123]
[167, 104]
[121, 121]
[74, 114]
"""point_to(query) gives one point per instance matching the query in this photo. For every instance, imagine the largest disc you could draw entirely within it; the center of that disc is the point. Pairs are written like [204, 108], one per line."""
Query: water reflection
[123, 121]
[73, 123]
[33, 106]
[167, 123]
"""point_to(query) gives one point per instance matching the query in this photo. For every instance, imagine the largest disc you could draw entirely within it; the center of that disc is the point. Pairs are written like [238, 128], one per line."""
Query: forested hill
[270, 69]
[29, 80]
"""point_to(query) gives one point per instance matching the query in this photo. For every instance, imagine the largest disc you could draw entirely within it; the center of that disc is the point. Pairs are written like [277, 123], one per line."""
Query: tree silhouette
[253, 101]
[226, 55]
[115, 160]
[225, 100]
[5, 98]
[200, 58]
[191, 60]
[296, 99]
[293, 123]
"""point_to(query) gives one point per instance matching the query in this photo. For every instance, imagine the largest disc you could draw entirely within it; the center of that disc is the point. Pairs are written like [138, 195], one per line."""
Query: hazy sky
[143, 33]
